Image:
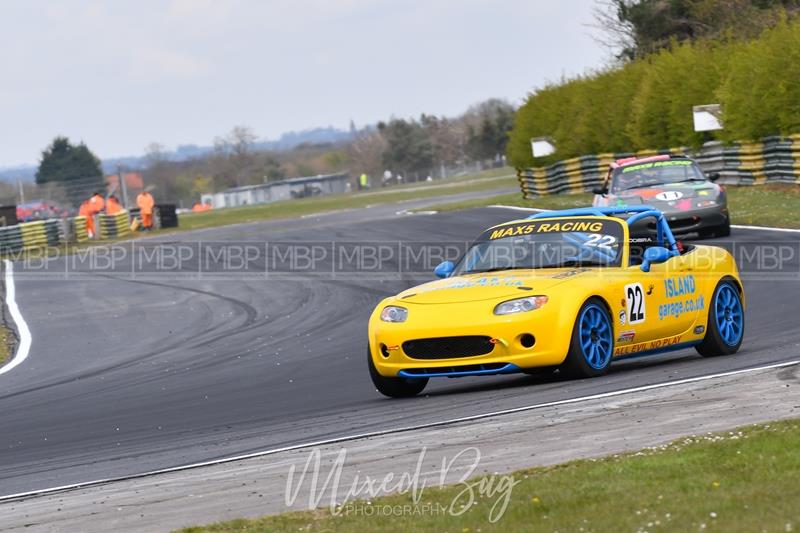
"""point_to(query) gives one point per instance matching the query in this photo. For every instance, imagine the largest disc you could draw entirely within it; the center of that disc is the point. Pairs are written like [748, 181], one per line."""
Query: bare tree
[366, 153]
[234, 159]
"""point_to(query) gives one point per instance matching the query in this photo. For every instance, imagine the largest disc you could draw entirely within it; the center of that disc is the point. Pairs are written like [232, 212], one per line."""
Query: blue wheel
[725, 329]
[592, 341]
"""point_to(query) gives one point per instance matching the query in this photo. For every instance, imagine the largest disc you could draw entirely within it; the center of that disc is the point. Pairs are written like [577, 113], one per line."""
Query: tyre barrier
[76, 230]
[167, 215]
[771, 160]
[114, 225]
[29, 235]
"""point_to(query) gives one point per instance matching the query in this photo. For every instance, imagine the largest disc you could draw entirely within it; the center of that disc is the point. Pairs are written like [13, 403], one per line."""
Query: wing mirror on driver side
[713, 176]
[444, 269]
[655, 254]
[600, 190]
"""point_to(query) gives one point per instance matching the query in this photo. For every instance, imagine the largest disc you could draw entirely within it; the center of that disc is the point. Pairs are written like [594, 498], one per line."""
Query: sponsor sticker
[622, 317]
[626, 336]
[650, 345]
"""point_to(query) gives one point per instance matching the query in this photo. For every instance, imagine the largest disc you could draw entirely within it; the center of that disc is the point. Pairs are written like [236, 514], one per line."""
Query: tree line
[647, 102]
[412, 148]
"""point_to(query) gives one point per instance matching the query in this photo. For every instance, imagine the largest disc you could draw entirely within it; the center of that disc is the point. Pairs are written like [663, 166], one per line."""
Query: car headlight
[707, 203]
[520, 305]
[393, 313]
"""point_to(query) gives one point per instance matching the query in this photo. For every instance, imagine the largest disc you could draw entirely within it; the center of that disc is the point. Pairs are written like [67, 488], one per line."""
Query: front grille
[448, 347]
[485, 368]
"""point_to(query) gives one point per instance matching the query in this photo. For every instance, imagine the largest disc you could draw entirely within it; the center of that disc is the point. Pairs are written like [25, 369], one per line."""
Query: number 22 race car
[561, 290]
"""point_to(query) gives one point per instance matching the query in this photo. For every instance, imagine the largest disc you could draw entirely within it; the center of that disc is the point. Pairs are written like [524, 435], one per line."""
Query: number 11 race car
[562, 290]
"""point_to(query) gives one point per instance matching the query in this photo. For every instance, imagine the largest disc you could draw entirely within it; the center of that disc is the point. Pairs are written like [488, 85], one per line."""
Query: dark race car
[676, 186]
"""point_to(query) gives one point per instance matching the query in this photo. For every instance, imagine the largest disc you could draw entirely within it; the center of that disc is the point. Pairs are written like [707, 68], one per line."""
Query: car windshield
[654, 173]
[545, 243]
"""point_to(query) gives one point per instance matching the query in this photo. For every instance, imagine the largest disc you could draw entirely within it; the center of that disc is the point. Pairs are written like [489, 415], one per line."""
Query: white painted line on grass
[22, 327]
[379, 433]
[766, 228]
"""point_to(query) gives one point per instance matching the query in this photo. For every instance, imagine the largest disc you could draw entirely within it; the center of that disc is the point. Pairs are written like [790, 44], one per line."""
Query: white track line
[379, 433]
[766, 228]
[22, 327]
[737, 226]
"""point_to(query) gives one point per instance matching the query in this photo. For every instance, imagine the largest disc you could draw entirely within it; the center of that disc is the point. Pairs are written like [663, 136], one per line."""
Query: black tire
[714, 343]
[576, 363]
[394, 387]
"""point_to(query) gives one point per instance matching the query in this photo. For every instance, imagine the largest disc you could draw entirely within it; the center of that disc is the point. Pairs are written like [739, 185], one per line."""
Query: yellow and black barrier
[30, 235]
[79, 231]
[111, 226]
[771, 160]
[579, 174]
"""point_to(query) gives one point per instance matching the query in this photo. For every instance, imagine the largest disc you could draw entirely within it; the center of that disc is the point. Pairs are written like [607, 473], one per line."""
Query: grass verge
[764, 205]
[7, 339]
[483, 181]
[744, 480]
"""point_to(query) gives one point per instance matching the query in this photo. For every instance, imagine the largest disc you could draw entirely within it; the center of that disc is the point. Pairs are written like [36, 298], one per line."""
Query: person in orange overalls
[85, 210]
[145, 202]
[200, 207]
[97, 203]
[113, 206]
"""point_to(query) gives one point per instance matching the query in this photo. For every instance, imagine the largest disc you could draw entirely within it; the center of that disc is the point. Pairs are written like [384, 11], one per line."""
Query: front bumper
[683, 222]
[507, 333]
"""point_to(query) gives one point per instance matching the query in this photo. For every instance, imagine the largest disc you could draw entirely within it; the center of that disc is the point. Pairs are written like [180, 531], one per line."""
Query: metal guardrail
[772, 160]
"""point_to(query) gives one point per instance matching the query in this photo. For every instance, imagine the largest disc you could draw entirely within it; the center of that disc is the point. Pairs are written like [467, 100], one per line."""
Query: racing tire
[592, 344]
[725, 328]
[394, 387]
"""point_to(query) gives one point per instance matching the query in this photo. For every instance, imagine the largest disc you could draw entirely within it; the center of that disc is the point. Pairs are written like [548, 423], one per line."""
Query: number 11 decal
[635, 297]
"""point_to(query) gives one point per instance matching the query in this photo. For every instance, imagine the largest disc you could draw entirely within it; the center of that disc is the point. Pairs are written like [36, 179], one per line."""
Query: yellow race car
[565, 290]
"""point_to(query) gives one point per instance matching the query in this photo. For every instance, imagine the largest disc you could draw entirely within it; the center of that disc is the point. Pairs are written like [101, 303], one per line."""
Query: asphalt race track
[134, 373]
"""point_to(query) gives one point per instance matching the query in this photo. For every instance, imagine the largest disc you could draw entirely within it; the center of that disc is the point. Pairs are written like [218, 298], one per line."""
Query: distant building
[133, 182]
[276, 191]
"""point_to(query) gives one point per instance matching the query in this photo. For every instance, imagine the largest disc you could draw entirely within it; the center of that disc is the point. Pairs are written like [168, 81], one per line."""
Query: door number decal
[635, 298]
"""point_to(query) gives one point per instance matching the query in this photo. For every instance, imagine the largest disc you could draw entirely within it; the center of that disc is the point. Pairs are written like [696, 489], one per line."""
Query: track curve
[131, 375]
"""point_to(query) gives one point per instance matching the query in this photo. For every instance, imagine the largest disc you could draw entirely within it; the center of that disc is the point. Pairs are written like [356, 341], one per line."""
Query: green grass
[745, 480]
[765, 205]
[6, 344]
[488, 180]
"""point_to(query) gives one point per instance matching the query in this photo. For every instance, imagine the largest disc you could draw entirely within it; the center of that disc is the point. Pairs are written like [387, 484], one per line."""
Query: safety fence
[54, 232]
[772, 160]
[111, 226]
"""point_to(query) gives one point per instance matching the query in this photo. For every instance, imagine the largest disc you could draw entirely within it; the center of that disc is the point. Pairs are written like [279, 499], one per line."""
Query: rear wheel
[592, 342]
[394, 387]
[725, 329]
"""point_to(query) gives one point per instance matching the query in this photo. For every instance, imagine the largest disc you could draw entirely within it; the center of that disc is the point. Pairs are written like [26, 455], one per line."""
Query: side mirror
[600, 190]
[655, 254]
[713, 176]
[444, 269]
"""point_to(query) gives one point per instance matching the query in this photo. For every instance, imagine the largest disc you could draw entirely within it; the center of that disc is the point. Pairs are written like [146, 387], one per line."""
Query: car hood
[669, 198]
[490, 286]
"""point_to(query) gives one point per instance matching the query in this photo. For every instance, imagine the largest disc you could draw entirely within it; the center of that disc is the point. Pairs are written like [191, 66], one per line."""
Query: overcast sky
[119, 74]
